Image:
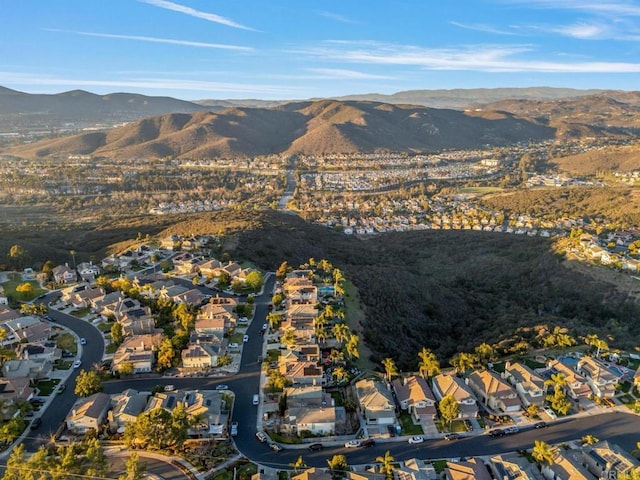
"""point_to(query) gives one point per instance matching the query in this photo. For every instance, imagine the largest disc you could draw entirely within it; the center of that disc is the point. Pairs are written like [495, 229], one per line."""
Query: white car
[234, 429]
[353, 444]
[416, 439]
[245, 339]
[77, 364]
[262, 436]
[83, 341]
[222, 387]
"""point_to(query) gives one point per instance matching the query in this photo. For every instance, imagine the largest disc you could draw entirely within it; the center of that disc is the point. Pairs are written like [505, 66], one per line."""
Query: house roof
[452, 385]
[491, 384]
[524, 376]
[566, 465]
[129, 402]
[609, 453]
[374, 395]
[93, 406]
[412, 390]
[597, 370]
[470, 470]
[312, 414]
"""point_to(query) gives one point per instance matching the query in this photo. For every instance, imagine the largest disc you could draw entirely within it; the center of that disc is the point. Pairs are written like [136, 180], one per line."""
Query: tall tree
[542, 452]
[390, 368]
[18, 257]
[449, 409]
[298, 464]
[594, 341]
[386, 464]
[281, 272]
[462, 362]
[166, 354]
[117, 335]
[88, 383]
[485, 353]
[352, 346]
[429, 365]
[338, 465]
[134, 468]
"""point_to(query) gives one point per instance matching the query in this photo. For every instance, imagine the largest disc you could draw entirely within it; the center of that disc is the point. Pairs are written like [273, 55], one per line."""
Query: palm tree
[289, 337]
[386, 464]
[429, 364]
[320, 332]
[589, 440]
[298, 464]
[390, 368]
[594, 341]
[352, 346]
[557, 380]
[542, 452]
[336, 356]
[462, 361]
[340, 373]
[73, 255]
[636, 451]
[341, 332]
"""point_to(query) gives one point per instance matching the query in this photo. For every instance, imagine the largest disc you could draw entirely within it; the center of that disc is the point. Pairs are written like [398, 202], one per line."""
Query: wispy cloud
[11, 78]
[210, 17]
[584, 31]
[603, 7]
[335, 16]
[479, 27]
[344, 74]
[482, 58]
[187, 43]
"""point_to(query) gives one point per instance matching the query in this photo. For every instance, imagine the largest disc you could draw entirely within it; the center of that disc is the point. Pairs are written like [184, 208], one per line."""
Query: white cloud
[585, 31]
[211, 17]
[603, 7]
[335, 16]
[139, 38]
[12, 78]
[479, 27]
[344, 74]
[481, 58]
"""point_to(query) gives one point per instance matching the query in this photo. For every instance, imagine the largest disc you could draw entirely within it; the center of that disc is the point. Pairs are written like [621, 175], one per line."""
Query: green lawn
[480, 190]
[15, 280]
[111, 348]
[532, 364]
[408, 427]
[236, 338]
[46, 387]
[272, 355]
[338, 399]
[66, 341]
[63, 364]
[81, 312]
[105, 326]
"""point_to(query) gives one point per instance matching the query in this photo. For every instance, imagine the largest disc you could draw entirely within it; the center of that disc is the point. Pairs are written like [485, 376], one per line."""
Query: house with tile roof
[415, 396]
[514, 466]
[444, 385]
[200, 356]
[494, 392]
[607, 460]
[528, 384]
[567, 465]
[472, 469]
[601, 379]
[376, 402]
[577, 387]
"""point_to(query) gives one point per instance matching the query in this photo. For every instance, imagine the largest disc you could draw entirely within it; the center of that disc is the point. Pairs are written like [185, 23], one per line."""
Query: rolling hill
[325, 126]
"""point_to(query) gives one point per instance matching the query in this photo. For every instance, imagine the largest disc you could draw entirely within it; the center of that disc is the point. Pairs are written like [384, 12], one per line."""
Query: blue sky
[296, 49]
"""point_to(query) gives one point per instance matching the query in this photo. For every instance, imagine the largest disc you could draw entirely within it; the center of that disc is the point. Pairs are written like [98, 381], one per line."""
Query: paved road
[619, 427]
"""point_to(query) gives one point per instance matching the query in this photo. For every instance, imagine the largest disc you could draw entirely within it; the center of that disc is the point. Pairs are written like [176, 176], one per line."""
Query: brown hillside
[326, 126]
[610, 159]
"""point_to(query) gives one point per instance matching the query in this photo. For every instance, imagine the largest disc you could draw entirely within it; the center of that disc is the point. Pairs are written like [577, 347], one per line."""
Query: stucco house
[376, 402]
[444, 385]
[126, 407]
[414, 395]
[200, 356]
[493, 391]
[528, 384]
[89, 413]
[139, 351]
[601, 379]
[577, 385]
[608, 460]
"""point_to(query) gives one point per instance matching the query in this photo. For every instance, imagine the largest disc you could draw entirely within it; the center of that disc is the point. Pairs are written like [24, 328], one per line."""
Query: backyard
[14, 280]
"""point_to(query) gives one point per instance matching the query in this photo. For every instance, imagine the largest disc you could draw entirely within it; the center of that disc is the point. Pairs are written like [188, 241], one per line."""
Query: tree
[254, 280]
[88, 383]
[352, 346]
[281, 272]
[73, 257]
[390, 368]
[338, 465]
[597, 343]
[449, 409]
[224, 360]
[11, 429]
[589, 439]
[542, 452]
[386, 464]
[288, 338]
[274, 319]
[25, 289]
[462, 362]
[533, 409]
[341, 332]
[429, 365]
[166, 354]
[340, 373]
[485, 353]
[126, 368]
[18, 257]
[298, 464]
[33, 309]
[117, 335]
[16, 465]
[134, 468]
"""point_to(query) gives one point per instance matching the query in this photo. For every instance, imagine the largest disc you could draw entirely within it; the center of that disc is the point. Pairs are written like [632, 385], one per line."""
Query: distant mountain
[20, 109]
[462, 99]
[325, 126]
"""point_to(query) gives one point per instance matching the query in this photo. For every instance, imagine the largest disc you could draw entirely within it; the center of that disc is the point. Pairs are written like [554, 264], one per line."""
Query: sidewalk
[174, 460]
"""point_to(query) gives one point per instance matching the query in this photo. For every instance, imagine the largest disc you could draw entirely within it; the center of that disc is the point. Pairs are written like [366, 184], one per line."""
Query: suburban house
[467, 470]
[88, 270]
[64, 274]
[302, 373]
[311, 409]
[514, 466]
[39, 352]
[7, 314]
[89, 413]
[210, 268]
[528, 384]
[376, 402]
[84, 298]
[189, 297]
[577, 385]
[139, 351]
[14, 390]
[567, 464]
[414, 395]
[608, 460]
[126, 408]
[137, 322]
[444, 385]
[493, 391]
[414, 469]
[29, 329]
[600, 378]
[200, 356]
[34, 370]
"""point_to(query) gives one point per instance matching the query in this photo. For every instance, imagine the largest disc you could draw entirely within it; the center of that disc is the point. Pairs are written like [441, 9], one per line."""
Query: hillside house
[139, 351]
[608, 460]
[601, 379]
[376, 402]
[528, 384]
[444, 385]
[64, 274]
[577, 386]
[415, 396]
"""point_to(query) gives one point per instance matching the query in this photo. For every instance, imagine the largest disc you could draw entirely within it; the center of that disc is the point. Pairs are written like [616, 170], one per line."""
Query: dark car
[36, 423]
[541, 425]
[451, 436]
[369, 442]
[496, 433]
[315, 446]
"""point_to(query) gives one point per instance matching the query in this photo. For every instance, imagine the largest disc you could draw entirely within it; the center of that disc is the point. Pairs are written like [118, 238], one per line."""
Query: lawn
[456, 426]
[81, 312]
[532, 364]
[338, 399]
[46, 387]
[408, 427]
[238, 471]
[236, 338]
[15, 280]
[272, 355]
[480, 190]
[105, 326]
[63, 364]
[111, 348]
[66, 341]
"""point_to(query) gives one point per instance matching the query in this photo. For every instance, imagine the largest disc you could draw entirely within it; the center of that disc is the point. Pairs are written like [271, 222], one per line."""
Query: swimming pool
[326, 290]
[568, 361]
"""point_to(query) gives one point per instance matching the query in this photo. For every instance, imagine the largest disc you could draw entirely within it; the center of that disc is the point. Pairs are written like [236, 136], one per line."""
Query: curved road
[619, 427]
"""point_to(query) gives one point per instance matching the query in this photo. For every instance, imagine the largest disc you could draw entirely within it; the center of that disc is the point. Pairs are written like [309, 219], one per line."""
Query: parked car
[83, 341]
[265, 326]
[77, 364]
[353, 444]
[234, 429]
[262, 436]
[369, 442]
[497, 432]
[451, 436]
[36, 423]
[315, 446]
[275, 447]
[416, 439]
[61, 387]
[222, 386]
[169, 388]
[540, 425]
[245, 339]
[551, 413]
[511, 430]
